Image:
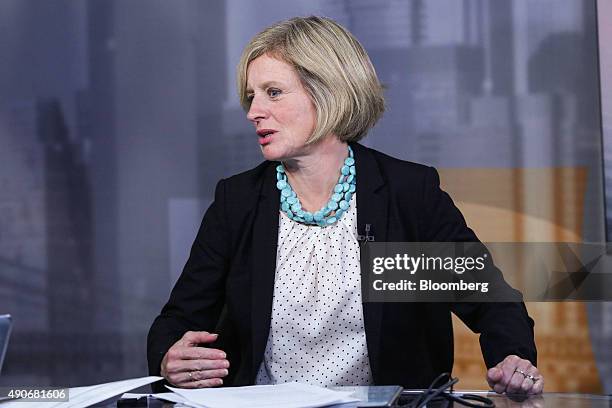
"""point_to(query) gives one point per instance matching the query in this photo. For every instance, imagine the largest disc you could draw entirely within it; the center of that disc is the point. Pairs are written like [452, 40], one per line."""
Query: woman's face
[281, 109]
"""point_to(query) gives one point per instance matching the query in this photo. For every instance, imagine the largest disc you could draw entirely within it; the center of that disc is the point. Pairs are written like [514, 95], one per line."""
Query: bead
[347, 196]
[289, 214]
[345, 170]
[308, 216]
[281, 184]
[352, 170]
[286, 191]
[300, 213]
[350, 178]
[285, 207]
[349, 161]
[339, 214]
[352, 188]
[341, 178]
[345, 187]
[331, 220]
[344, 205]
[336, 197]
[280, 168]
[292, 200]
[332, 205]
[279, 176]
[295, 207]
[318, 216]
[338, 188]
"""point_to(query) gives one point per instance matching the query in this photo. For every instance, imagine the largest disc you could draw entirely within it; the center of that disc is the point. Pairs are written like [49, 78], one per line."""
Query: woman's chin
[271, 154]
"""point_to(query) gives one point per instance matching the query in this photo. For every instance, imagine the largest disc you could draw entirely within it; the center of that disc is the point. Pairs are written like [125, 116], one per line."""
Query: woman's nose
[256, 111]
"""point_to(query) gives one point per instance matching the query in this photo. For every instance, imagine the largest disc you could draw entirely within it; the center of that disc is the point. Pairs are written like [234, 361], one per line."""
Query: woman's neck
[314, 176]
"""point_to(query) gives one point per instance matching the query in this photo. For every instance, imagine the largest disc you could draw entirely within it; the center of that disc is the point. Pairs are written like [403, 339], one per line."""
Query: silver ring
[531, 377]
[190, 375]
[516, 370]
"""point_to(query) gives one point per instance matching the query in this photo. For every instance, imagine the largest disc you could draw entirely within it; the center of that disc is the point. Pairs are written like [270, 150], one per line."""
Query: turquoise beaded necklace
[338, 203]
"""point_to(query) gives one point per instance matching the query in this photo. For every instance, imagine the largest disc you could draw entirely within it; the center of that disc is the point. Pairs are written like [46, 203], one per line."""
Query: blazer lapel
[265, 239]
[372, 209]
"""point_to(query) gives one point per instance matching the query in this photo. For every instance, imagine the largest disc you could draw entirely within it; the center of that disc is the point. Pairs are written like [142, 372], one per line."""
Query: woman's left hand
[515, 375]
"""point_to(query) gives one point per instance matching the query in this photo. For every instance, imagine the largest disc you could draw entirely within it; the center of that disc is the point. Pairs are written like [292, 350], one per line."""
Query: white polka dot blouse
[317, 332]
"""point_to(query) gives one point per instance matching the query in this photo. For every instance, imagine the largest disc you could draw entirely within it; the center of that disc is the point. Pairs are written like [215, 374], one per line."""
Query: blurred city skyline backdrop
[117, 118]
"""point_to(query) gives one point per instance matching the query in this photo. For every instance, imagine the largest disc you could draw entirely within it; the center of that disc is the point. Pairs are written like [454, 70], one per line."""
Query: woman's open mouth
[265, 136]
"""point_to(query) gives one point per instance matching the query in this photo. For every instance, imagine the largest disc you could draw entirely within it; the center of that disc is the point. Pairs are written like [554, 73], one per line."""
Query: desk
[559, 400]
[546, 400]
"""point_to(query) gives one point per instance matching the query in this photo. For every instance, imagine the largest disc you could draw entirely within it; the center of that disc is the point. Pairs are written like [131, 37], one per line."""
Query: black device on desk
[144, 401]
[440, 395]
[133, 402]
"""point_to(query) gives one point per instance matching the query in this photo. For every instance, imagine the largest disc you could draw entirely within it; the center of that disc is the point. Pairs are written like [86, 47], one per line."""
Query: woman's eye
[273, 92]
[249, 97]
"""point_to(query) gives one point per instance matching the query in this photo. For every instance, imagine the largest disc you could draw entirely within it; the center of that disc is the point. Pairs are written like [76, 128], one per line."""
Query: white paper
[81, 397]
[289, 395]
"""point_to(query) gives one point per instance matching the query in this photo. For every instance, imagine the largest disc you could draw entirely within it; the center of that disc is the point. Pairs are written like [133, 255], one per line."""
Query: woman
[274, 269]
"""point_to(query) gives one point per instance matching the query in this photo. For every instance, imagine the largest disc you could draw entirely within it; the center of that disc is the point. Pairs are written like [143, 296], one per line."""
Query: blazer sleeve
[504, 328]
[198, 296]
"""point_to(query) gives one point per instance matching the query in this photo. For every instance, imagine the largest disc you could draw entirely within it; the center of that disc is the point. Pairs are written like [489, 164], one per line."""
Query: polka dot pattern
[317, 333]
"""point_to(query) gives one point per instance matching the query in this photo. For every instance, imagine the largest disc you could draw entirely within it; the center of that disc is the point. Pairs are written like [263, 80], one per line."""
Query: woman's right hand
[188, 365]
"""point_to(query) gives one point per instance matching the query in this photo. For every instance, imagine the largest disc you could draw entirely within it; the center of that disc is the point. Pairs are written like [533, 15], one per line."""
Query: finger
[211, 382]
[516, 382]
[189, 380]
[499, 388]
[164, 363]
[206, 374]
[508, 366]
[514, 386]
[538, 387]
[526, 385]
[193, 338]
[195, 353]
[182, 366]
[493, 376]
[530, 380]
[178, 379]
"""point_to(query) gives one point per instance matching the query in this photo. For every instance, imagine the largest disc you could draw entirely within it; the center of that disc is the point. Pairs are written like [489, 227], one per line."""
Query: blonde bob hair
[333, 67]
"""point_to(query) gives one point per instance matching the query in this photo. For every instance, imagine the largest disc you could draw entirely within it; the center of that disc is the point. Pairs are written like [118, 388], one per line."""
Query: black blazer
[228, 281]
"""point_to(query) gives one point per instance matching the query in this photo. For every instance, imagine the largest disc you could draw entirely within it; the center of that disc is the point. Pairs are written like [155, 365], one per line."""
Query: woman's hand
[187, 365]
[515, 375]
